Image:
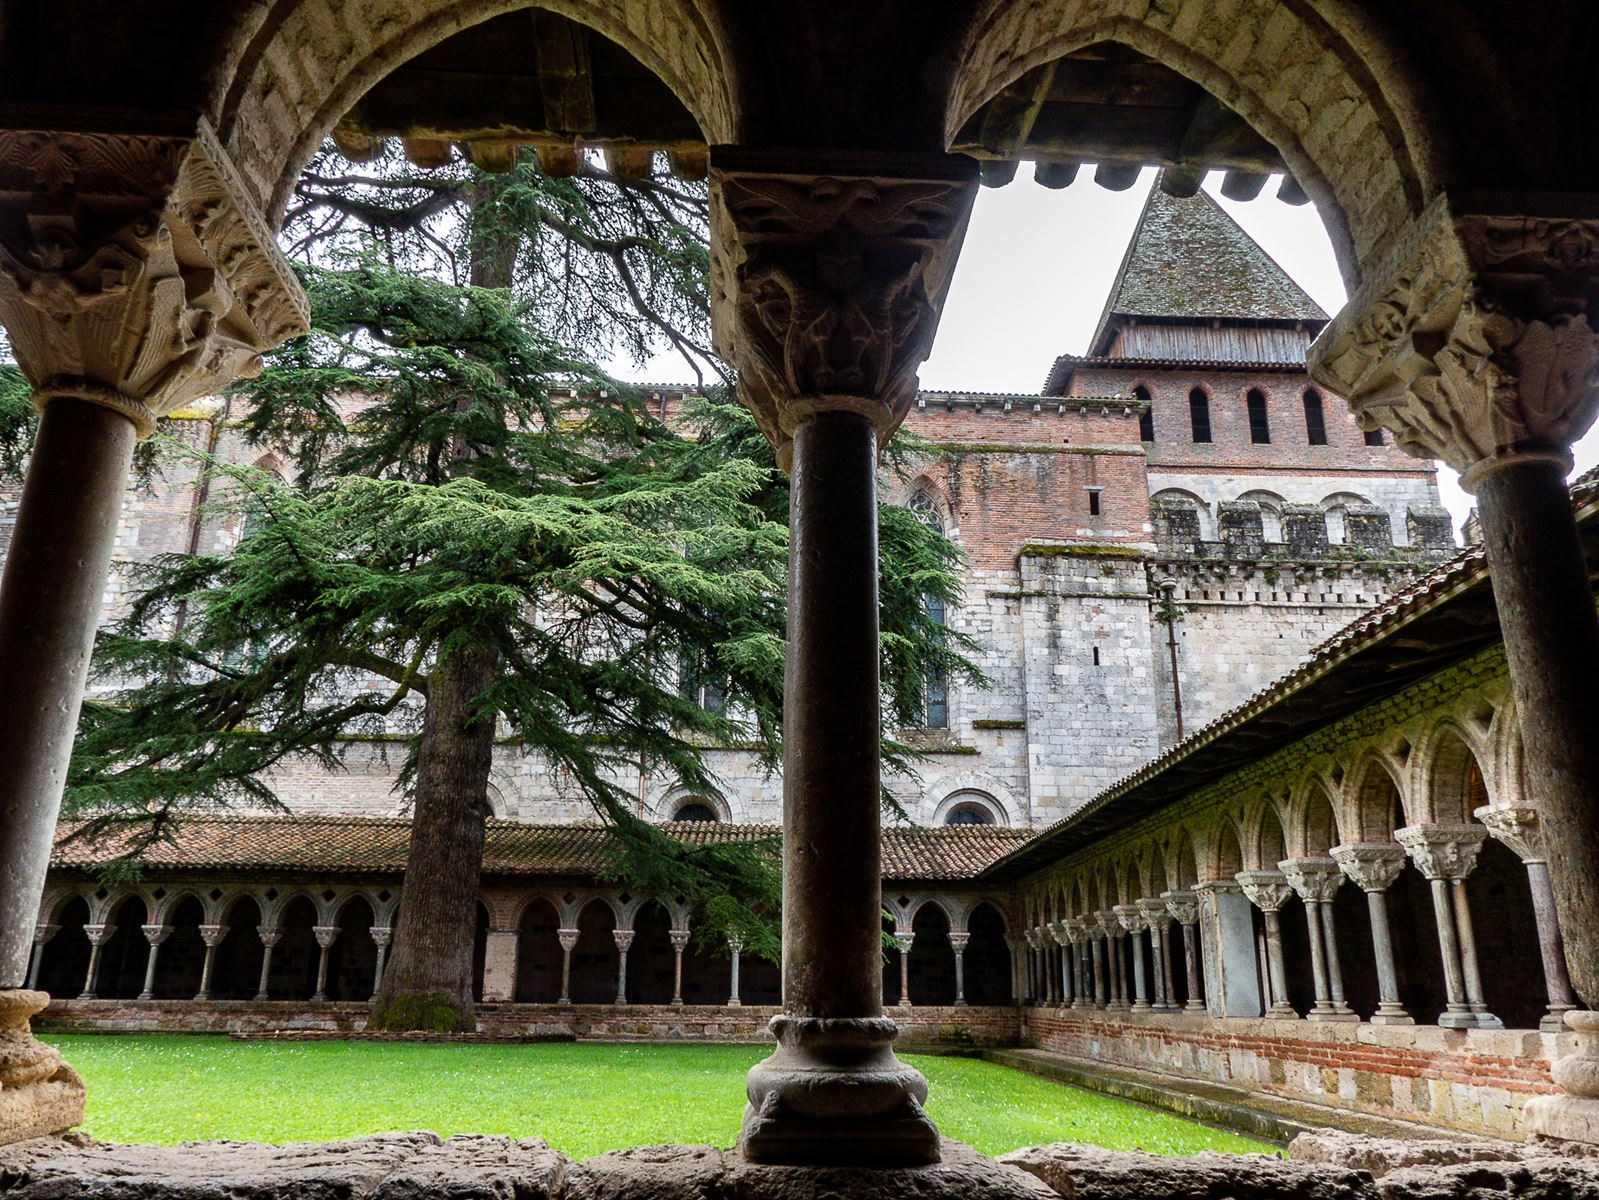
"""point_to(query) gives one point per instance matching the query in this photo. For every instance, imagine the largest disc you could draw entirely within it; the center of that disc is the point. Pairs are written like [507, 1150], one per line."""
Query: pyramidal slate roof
[1189, 259]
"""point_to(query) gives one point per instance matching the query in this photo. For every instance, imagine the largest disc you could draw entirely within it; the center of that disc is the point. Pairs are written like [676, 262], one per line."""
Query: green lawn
[582, 1098]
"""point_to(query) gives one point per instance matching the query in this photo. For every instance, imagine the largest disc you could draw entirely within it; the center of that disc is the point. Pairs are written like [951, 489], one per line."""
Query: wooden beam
[566, 77]
[1008, 123]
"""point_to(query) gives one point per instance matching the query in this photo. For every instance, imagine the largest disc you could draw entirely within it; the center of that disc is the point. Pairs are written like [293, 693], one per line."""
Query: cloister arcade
[1237, 905]
[183, 940]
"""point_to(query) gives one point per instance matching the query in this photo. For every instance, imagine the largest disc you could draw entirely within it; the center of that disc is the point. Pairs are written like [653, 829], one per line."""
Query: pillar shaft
[1274, 962]
[50, 595]
[1318, 961]
[1389, 1009]
[1546, 614]
[1470, 970]
[732, 987]
[1550, 946]
[1459, 1011]
[1101, 984]
[1196, 990]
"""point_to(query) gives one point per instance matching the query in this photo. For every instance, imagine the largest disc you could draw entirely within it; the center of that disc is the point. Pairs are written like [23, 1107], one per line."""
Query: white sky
[1037, 265]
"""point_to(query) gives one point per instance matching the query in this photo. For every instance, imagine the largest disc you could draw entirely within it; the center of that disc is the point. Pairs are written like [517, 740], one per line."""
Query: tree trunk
[428, 981]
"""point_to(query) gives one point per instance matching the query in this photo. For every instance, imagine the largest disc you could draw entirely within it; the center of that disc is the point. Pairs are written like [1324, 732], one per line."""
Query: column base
[1333, 1015]
[1573, 1117]
[1394, 1015]
[1488, 1021]
[1197, 1007]
[1282, 1012]
[834, 1093]
[732, 1002]
[1457, 1020]
[39, 1093]
[1554, 1021]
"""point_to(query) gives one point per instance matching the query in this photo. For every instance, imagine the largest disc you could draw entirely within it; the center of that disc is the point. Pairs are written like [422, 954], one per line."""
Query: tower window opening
[1259, 421]
[1093, 502]
[1096, 656]
[1374, 437]
[969, 814]
[1146, 419]
[1315, 419]
[1199, 414]
[935, 709]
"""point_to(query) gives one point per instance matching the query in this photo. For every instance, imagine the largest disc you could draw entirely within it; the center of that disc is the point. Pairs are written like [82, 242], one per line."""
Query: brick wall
[1474, 1080]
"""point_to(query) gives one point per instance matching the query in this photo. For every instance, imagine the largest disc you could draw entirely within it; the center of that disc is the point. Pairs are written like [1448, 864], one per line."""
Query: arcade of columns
[138, 271]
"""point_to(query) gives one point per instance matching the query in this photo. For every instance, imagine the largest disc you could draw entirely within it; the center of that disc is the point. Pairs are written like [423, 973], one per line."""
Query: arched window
[1315, 419]
[1259, 420]
[1199, 414]
[1146, 419]
[1374, 437]
[926, 508]
[695, 810]
[969, 812]
[935, 713]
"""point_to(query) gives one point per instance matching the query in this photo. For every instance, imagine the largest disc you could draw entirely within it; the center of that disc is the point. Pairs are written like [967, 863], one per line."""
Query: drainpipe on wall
[1167, 609]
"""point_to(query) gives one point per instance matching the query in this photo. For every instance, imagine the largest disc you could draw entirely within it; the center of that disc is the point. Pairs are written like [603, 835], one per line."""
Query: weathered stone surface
[1091, 1173]
[1381, 1156]
[963, 1174]
[389, 1166]
[1437, 1168]
[649, 1173]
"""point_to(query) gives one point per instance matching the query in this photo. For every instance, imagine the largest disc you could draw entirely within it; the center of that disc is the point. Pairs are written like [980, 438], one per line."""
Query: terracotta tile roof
[1321, 689]
[345, 845]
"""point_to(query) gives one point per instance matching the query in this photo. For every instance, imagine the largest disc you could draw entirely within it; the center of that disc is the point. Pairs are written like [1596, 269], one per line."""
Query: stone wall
[922, 1027]
[1474, 1080]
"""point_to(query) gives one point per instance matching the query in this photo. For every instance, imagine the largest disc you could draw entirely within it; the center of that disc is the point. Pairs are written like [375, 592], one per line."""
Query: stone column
[679, 939]
[326, 935]
[903, 943]
[958, 941]
[212, 936]
[828, 282]
[1110, 928]
[42, 933]
[1068, 991]
[1475, 344]
[1183, 907]
[270, 935]
[735, 946]
[500, 946]
[156, 935]
[1317, 881]
[1374, 866]
[568, 940]
[1155, 918]
[381, 936]
[1518, 827]
[134, 278]
[1269, 891]
[1080, 953]
[98, 936]
[1446, 854]
[1101, 976]
[624, 940]
[1133, 922]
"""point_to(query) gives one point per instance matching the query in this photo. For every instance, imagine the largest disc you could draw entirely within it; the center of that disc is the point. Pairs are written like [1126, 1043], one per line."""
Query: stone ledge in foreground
[423, 1166]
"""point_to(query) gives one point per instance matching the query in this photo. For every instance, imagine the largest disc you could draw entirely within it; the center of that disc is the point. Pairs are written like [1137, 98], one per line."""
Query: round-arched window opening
[695, 811]
[969, 812]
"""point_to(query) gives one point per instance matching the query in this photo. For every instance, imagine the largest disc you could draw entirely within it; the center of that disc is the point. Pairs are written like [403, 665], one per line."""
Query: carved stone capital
[1182, 905]
[43, 932]
[623, 938]
[98, 935]
[679, 939]
[1131, 919]
[212, 935]
[1443, 851]
[381, 935]
[959, 941]
[904, 941]
[1518, 827]
[1154, 911]
[1267, 890]
[134, 273]
[1477, 342]
[828, 274]
[1373, 866]
[326, 935]
[270, 935]
[735, 943]
[1316, 879]
[1109, 923]
[567, 938]
[156, 934]
[1058, 931]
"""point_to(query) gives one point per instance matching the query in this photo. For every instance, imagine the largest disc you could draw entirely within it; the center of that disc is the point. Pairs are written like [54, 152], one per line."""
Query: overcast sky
[1036, 267]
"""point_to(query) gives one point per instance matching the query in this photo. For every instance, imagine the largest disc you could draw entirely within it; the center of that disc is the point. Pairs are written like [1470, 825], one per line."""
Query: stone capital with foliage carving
[828, 274]
[1518, 827]
[1154, 910]
[567, 938]
[1182, 905]
[1315, 879]
[134, 273]
[1373, 866]
[1477, 342]
[1267, 890]
[1132, 920]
